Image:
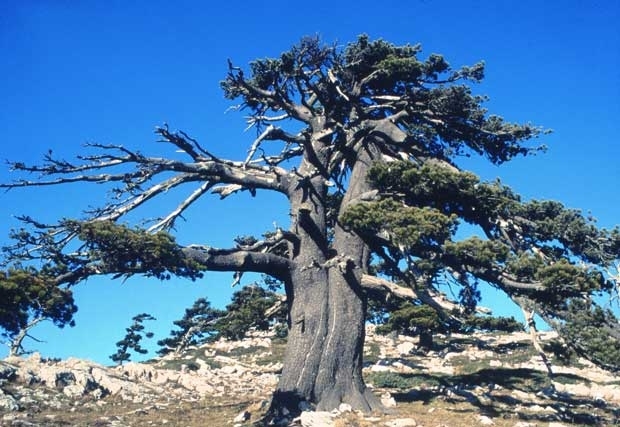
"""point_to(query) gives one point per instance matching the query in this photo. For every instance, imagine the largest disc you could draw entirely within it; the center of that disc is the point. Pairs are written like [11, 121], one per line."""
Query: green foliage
[490, 324]
[458, 122]
[539, 251]
[410, 319]
[591, 331]
[399, 381]
[450, 191]
[127, 250]
[197, 326]
[247, 310]
[131, 341]
[413, 320]
[418, 228]
[27, 296]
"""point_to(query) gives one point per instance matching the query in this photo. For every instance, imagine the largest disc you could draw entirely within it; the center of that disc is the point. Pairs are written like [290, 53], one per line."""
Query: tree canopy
[30, 296]
[364, 142]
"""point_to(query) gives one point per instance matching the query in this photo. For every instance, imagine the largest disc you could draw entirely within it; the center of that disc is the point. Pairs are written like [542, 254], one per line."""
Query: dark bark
[323, 360]
[425, 340]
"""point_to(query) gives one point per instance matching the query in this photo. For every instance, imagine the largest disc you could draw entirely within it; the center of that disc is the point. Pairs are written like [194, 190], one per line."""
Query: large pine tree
[364, 142]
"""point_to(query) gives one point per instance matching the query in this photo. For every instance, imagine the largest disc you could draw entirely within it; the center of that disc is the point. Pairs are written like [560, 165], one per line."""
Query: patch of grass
[269, 357]
[402, 381]
[185, 363]
[372, 351]
[528, 380]
[241, 352]
[211, 363]
[465, 366]
[570, 379]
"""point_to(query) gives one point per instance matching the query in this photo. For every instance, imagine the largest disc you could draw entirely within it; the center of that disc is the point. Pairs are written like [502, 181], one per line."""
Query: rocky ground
[480, 380]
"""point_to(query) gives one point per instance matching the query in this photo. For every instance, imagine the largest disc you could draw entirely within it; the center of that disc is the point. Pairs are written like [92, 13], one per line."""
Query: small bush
[392, 380]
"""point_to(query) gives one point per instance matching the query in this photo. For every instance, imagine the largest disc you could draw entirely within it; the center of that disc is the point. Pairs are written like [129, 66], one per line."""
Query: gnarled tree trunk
[323, 359]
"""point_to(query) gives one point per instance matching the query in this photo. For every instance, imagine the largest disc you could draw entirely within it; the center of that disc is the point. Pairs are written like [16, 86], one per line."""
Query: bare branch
[276, 307]
[168, 221]
[256, 144]
[134, 202]
[332, 78]
[433, 299]
[226, 190]
[257, 119]
[377, 283]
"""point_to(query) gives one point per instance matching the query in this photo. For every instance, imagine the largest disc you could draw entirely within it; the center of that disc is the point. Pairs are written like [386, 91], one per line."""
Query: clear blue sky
[74, 72]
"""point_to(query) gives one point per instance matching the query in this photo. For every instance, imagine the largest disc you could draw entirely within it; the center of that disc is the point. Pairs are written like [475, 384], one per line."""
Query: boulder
[316, 419]
[7, 402]
[405, 348]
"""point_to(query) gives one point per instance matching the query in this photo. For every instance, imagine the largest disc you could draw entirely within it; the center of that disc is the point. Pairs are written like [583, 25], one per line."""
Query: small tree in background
[411, 319]
[28, 297]
[249, 309]
[196, 327]
[131, 342]
[491, 324]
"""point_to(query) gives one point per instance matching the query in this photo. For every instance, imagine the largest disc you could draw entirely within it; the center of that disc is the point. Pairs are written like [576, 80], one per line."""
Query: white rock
[485, 421]
[316, 419]
[229, 369]
[137, 371]
[402, 368]
[241, 417]
[73, 391]
[8, 403]
[387, 400]
[344, 407]
[380, 368]
[402, 422]
[405, 348]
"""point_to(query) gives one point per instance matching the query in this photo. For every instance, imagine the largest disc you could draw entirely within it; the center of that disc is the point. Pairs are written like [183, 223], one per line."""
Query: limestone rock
[485, 421]
[7, 371]
[8, 403]
[316, 419]
[405, 348]
[387, 400]
[401, 422]
[241, 417]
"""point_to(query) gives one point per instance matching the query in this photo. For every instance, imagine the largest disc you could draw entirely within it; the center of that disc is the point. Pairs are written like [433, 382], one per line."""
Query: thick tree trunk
[323, 359]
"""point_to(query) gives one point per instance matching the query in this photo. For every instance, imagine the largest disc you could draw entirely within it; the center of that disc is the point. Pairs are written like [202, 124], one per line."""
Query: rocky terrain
[485, 379]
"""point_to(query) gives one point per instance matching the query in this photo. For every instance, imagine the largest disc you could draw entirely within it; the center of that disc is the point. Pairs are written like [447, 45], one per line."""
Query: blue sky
[109, 72]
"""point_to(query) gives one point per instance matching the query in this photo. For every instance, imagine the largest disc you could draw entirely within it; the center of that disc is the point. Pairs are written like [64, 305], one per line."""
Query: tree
[131, 341]
[196, 327]
[412, 319]
[28, 297]
[250, 307]
[423, 321]
[364, 142]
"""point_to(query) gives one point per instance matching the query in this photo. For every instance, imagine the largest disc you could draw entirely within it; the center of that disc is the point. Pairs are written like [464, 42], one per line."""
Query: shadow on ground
[526, 394]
